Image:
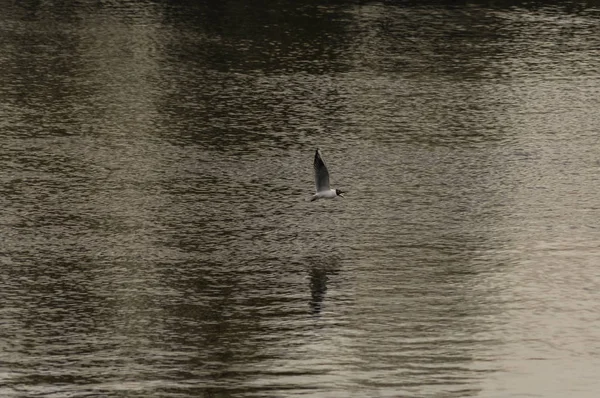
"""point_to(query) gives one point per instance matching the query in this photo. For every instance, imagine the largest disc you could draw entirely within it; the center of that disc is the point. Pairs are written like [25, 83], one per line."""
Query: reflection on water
[322, 269]
[156, 242]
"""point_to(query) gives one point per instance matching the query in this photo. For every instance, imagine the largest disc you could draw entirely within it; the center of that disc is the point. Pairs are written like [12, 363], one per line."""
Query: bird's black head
[339, 192]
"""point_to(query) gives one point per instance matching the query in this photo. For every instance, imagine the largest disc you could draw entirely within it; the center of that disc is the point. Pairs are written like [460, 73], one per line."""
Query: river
[156, 158]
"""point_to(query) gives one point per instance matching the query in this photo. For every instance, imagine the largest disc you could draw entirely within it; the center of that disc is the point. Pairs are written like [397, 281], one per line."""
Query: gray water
[156, 241]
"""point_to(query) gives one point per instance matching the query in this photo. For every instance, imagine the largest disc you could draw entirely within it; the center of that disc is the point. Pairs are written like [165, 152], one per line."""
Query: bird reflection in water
[319, 272]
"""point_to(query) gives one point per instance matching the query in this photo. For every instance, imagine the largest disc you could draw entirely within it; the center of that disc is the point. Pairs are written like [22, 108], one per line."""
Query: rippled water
[156, 156]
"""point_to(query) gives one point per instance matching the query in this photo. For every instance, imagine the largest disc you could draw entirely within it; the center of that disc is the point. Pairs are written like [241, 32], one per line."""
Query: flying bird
[322, 180]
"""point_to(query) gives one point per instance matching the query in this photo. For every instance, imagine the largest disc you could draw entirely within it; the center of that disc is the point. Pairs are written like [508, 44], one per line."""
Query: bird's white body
[329, 194]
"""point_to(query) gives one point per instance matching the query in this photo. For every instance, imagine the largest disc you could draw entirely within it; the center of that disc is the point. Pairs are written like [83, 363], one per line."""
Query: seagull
[322, 180]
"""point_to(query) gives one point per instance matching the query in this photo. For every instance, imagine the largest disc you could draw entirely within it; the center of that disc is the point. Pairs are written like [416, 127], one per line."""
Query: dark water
[155, 158]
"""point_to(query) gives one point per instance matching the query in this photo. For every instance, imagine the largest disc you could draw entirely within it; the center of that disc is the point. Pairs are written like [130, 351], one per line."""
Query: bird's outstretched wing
[321, 173]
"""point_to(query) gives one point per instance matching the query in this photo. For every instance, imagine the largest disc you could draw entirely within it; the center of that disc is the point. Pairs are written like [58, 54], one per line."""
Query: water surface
[156, 242]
